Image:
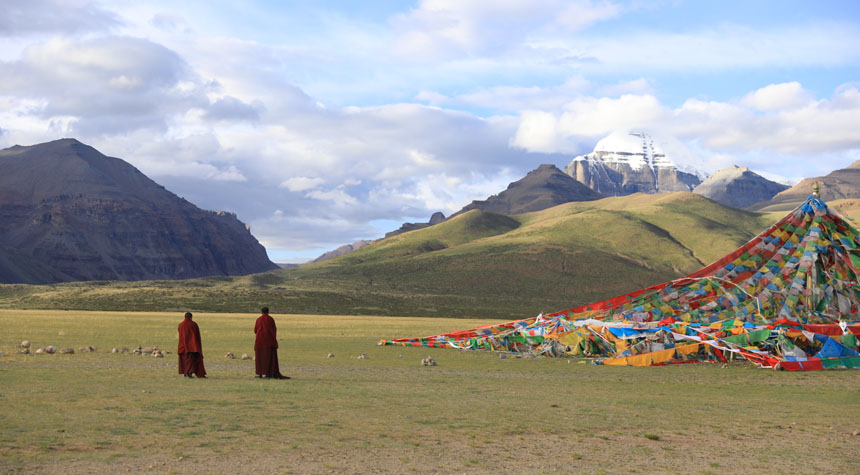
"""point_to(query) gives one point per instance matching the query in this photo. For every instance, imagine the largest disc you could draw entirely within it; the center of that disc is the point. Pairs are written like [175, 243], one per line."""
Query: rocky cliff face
[738, 187]
[627, 163]
[67, 212]
[839, 184]
[542, 188]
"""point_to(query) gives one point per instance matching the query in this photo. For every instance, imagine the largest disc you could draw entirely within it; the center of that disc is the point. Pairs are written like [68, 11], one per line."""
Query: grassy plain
[477, 413]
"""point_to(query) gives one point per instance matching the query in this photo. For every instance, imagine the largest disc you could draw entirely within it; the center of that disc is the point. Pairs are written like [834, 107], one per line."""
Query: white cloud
[512, 98]
[231, 173]
[787, 95]
[108, 84]
[337, 197]
[775, 121]
[301, 183]
[539, 132]
[585, 118]
[448, 28]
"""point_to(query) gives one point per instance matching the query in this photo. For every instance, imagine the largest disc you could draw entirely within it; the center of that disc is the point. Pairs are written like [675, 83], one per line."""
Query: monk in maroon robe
[266, 347]
[190, 349]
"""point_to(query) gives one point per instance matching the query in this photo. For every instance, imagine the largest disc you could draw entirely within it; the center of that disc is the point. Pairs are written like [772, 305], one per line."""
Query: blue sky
[321, 123]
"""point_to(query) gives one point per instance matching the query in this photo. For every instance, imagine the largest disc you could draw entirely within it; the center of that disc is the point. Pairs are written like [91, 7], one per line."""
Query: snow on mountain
[635, 161]
[639, 149]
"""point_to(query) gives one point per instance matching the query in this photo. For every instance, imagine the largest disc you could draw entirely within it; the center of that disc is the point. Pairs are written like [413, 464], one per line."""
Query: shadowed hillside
[68, 212]
[476, 264]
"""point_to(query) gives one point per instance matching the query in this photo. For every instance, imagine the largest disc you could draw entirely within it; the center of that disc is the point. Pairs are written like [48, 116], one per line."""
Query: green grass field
[102, 412]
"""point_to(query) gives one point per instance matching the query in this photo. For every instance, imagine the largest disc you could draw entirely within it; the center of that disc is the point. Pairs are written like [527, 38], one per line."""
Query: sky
[321, 123]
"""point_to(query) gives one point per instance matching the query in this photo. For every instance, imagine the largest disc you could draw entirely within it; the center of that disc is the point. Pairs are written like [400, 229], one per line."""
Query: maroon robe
[190, 349]
[266, 348]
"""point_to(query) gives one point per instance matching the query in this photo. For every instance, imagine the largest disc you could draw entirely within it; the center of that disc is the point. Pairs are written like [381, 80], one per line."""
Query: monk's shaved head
[187, 314]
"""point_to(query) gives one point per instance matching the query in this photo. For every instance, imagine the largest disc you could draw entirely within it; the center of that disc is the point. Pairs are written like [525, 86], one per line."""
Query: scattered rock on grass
[428, 361]
[158, 354]
[230, 355]
[245, 356]
[24, 344]
[24, 351]
[331, 355]
[856, 433]
[362, 356]
[67, 351]
[40, 351]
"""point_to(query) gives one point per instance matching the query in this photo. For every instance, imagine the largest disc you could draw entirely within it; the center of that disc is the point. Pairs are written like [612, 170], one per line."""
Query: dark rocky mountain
[839, 184]
[70, 213]
[627, 163]
[435, 219]
[345, 249]
[738, 187]
[542, 188]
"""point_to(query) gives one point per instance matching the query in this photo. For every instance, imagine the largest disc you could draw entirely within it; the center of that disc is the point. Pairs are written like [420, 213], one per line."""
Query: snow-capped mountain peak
[627, 162]
[638, 149]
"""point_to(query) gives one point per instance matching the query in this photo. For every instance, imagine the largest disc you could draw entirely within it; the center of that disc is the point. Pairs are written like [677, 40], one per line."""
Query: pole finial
[815, 190]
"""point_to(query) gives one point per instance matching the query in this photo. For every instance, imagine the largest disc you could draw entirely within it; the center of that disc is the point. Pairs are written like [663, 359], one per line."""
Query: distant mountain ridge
[739, 187]
[68, 212]
[624, 163]
[544, 187]
[345, 249]
[837, 185]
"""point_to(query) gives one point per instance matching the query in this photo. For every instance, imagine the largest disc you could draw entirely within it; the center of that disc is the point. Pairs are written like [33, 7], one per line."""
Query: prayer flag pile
[789, 299]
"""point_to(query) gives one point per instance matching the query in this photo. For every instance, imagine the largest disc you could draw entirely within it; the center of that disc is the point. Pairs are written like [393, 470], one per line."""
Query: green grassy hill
[477, 264]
